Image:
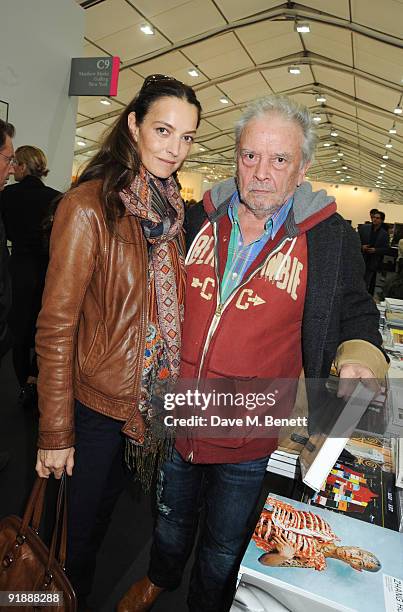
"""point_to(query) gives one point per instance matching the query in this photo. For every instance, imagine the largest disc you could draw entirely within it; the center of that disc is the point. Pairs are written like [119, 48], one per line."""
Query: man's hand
[55, 461]
[350, 374]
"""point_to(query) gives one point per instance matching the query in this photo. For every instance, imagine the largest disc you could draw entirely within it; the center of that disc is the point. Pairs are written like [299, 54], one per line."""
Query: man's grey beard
[261, 213]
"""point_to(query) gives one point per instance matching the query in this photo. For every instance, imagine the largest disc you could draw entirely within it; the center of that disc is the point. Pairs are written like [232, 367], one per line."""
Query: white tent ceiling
[242, 49]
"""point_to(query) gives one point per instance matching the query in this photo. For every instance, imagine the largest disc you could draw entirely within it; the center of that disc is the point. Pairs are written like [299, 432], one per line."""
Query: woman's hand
[54, 461]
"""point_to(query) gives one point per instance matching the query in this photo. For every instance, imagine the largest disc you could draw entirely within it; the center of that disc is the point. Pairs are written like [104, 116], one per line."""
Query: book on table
[338, 421]
[361, 483]
[313, 559]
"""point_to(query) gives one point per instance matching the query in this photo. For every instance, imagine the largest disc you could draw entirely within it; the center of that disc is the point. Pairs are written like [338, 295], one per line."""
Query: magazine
[317, 560]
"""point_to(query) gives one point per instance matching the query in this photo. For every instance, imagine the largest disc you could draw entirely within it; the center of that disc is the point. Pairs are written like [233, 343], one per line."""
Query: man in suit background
[374, 245]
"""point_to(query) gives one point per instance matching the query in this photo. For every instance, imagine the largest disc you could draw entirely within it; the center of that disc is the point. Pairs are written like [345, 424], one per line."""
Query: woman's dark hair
[117, 162]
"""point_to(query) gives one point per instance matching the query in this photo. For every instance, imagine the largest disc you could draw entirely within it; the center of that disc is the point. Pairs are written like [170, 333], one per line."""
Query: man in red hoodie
[274, 287]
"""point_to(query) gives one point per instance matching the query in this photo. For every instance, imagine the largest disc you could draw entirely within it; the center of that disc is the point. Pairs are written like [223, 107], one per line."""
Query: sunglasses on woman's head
[157, 78]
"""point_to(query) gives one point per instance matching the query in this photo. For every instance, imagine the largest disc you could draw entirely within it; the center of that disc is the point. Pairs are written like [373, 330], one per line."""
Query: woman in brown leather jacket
[109, 328]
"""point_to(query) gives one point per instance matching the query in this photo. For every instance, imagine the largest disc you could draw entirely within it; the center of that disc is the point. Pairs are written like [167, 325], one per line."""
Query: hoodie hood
[308, 209]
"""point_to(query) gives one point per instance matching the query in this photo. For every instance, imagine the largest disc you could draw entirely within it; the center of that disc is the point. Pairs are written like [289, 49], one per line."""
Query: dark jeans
[230, 493]
[97, 481]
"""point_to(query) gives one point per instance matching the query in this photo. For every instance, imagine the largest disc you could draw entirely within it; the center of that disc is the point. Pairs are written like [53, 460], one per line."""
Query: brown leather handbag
[26, 564]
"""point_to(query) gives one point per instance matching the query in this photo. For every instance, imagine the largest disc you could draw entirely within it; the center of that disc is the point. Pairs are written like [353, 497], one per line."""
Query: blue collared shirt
[241, 256]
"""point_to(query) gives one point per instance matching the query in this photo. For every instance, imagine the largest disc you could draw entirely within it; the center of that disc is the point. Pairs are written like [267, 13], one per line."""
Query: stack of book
[284, 464]
[394, 406]
[394, 312]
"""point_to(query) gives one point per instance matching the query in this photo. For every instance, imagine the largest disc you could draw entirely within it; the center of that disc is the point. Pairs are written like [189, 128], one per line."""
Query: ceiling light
[321, 99]
[81, 143]
[381, 171]
[393, 131]
[147, 29]
[202, 149]
[294, 70]
[389, 145]
[333, 133]
[348, 176]
[302, 27]
[383, 165]
[398, 110]
[341, 180]
[340, 154]
[224, 101]
[344, 167]
[326, 144]
[380, 177]
[106, 102]
[317, 119]
[193, 72]
[338, 171]
[385, 156]
[335, 160]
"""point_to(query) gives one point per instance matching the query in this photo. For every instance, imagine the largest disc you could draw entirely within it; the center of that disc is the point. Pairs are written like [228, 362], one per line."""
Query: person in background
[399, 251]
[374, 245]
[372, 212]
[25, 206]
[7, 166]
[110, 324]
[393, 287]
[274, 290]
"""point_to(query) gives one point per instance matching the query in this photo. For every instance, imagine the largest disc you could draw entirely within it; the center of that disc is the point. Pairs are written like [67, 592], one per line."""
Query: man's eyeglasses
[12, 161]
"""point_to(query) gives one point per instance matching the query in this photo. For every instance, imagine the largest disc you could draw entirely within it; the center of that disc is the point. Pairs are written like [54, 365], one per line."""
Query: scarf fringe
[143, 463]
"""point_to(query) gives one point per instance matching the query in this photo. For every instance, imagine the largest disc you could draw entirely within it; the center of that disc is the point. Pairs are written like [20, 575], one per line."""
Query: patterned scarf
[158, 205]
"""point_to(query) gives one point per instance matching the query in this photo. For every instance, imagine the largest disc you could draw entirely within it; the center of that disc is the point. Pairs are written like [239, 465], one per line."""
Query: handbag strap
[60, 528]
[63, 536]
[37, 514]
[34, 506]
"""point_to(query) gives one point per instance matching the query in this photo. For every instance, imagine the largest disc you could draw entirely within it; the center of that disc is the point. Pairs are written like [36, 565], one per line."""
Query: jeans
[97, 481]
[230, 493]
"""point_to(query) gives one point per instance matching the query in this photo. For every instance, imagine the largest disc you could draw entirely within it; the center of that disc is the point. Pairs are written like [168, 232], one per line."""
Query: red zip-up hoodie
[255, 335]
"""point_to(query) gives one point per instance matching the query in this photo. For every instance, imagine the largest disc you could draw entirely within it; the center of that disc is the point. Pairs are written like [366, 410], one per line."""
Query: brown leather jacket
[91, 329]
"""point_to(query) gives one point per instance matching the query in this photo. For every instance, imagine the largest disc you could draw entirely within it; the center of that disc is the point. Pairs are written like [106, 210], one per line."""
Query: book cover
[316, 560]
[359, 488]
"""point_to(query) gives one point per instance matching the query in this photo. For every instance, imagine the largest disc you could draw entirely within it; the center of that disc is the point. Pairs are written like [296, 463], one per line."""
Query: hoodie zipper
[221, 307]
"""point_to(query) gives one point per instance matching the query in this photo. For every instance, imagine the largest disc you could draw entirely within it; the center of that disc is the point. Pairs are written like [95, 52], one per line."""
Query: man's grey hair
[290, 110]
